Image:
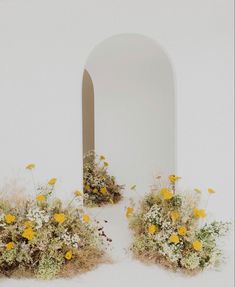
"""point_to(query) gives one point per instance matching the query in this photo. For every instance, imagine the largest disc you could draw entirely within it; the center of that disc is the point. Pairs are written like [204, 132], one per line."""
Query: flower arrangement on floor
[169, 228]
[42, 238]
[100, 187]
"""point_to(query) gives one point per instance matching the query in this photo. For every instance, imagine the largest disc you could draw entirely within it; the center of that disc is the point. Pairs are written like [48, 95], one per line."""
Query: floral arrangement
[40, 237]
[100, 187]
[169, 228]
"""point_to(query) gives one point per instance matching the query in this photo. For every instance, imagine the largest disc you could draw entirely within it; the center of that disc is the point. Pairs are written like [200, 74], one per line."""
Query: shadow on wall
[132, 120]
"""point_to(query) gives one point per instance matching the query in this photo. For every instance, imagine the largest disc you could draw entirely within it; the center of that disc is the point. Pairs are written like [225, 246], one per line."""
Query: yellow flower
[28, 223]
[10, 218]
[102, 157]
[129, 211]
[103, 190]
[52, 181]
[95, 190]
[28, 233]
[211, 190]
[77, 193]
[199, 213]
[87, 187]
[174, 215]
[86, 218]
[166, 193]
[182, 230]
[174, 238]
[106, 163]
[30, 166]
[59, 217]
[68, 255]
[197, 245]
[173, 178]
[197, 190]
[152, 228]
[10, 245]
[41, 198]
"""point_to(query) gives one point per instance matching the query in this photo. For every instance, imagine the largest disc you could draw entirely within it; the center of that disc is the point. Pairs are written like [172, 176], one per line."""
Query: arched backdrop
[134, 114]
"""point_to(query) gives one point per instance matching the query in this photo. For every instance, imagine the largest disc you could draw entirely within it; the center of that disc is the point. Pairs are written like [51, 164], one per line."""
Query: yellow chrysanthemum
[199, 213]
[41, 198]
[102, 157]
[86, 218]
[174, 238]
[197, 245]
[166, 193]
[152, 228]
[174, 215]
[30, 166]
[182, 230]
[211, 190]
[10, 218]
[28, 223]
[10, 245]
[68, 255]
[52, 181]
[197, 190]
[129, 211]
[103, 190]
[59, 217]
[173, 178]
[28, 233]
[78, 193]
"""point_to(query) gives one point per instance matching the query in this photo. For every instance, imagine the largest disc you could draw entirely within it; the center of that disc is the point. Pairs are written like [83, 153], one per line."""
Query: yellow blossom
[10, 218]
[173, 178]
[199, 213]
[166, 193]
[174, 238]
[106, 163]
[68, 255]
[86, 218]
[197, 190]
[95, 190]
[197, 245]
[102, 157]
[152, 228]
[28, 223]
[30, 166]
[174, 215]
[211, 190]
[41, 198]
[52, 181]
[10, 245]
[59, 217]
[78, 193]
[87, 187]
[103, 190]
[28, 233]
[182, 230]
[129, 211]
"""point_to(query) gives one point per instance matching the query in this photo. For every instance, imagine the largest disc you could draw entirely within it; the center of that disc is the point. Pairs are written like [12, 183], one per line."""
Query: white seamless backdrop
[44, 46]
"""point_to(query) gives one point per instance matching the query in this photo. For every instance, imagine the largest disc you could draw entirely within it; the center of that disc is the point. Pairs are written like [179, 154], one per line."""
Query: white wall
[134, 108]
[43, 49]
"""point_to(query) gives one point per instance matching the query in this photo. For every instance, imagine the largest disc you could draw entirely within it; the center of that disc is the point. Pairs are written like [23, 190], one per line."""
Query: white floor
[128, 272]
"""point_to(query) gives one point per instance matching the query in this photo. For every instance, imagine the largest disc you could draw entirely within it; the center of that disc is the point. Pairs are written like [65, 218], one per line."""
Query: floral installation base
[100, 188]
[169, 228]
[42, 238]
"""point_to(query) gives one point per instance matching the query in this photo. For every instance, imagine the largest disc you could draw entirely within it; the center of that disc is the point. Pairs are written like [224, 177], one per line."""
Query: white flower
[191, 261]
[38, 216]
